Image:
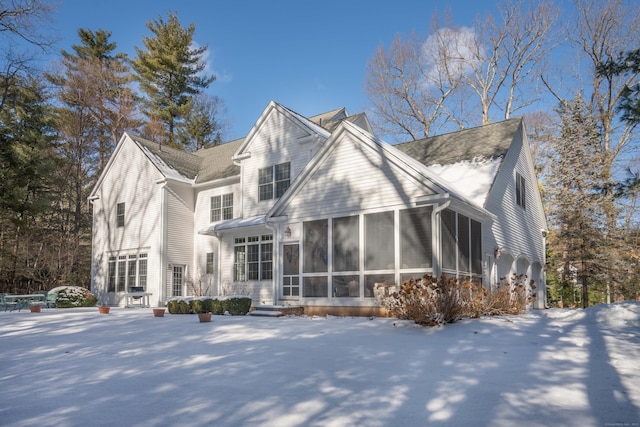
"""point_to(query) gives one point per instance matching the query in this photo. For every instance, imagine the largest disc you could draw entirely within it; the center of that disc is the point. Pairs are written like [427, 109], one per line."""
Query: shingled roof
[488, 141]
[204, 165]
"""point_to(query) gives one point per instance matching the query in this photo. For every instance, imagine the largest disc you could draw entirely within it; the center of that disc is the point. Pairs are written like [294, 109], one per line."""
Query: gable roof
[421, 174]
[469, 160]
[488, 141]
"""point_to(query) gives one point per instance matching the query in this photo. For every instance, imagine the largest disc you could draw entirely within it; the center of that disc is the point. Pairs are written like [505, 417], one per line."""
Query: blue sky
[308, 56]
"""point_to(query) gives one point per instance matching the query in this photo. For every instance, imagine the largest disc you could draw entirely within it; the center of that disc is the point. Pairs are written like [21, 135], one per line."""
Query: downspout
[92, 285]
[436, 239]
[162, 294]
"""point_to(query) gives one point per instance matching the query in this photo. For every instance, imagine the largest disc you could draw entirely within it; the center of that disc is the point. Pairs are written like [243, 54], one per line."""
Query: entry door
[291, 271]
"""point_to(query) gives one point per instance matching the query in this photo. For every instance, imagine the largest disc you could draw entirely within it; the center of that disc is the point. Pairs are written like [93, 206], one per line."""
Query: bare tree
[409, 84]
[422, 83]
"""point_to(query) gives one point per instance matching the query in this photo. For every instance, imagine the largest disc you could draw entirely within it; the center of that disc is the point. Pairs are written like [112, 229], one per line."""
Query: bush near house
[235, 305]
[430, 301]
[73, 296]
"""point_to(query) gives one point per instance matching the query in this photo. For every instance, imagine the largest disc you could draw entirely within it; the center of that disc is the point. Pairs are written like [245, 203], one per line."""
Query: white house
[315, 211]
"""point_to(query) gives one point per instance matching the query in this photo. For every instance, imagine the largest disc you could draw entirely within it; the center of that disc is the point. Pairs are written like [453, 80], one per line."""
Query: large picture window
[125, 271]
[273, 181]
[253, 258]
[379, 241]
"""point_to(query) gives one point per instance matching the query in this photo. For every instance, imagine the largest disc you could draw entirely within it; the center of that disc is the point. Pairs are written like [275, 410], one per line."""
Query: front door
[291, 271]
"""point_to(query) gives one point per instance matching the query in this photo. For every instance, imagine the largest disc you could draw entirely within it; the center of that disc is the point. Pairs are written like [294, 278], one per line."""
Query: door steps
[277, 310]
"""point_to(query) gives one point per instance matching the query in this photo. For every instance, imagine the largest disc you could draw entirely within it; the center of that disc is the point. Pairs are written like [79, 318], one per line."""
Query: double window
[253, 258]
[273, 181]
[222, 207]
[126, 271]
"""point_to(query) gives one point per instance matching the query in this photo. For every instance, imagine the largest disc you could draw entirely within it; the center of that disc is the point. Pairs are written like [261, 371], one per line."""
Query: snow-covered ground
[75, 367]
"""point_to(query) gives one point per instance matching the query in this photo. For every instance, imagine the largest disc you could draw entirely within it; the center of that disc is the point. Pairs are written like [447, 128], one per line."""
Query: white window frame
[259, 266]
[521, 192]
[221, 207]
[274, 181]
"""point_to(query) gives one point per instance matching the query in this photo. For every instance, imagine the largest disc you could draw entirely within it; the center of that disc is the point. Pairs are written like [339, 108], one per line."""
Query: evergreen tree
[170, 71]
[27, 163]
[575, 184]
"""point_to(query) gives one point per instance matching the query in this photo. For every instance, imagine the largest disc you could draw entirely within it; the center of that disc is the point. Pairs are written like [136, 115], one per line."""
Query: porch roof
[233, 224]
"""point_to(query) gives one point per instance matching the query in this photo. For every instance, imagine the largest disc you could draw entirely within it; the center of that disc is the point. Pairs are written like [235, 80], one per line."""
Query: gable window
[273, 181]
[520, 191]
[253, 258]
[222, 207]
[120, 214]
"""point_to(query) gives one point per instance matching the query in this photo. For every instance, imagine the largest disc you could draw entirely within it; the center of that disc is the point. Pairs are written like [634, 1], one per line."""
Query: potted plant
[103, 308]
[158, 312]
[202, 308]
[35, 308]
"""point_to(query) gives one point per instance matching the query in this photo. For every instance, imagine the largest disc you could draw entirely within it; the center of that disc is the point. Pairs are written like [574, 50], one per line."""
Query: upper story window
[520, 191]
[222, 207]
[120, 214]
[273, 181]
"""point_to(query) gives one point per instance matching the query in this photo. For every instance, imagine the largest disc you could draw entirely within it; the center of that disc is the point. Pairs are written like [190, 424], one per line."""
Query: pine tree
[170, 71]
[575, 187]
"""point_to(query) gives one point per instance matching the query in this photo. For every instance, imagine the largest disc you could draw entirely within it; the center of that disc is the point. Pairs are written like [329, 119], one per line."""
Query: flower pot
[35, 308]
[204, 317]
[158, 312]
[103, 310]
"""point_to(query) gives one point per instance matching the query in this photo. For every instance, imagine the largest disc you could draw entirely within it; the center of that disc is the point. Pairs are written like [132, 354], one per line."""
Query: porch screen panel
[463, 243]
[476, 247]
[346, 243]
[448, 221]
[315, 286]
[316, 241]
[379, 241]
[415, 238]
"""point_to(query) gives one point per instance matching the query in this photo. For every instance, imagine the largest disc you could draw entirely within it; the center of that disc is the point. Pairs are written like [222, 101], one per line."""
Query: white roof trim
[233, 224]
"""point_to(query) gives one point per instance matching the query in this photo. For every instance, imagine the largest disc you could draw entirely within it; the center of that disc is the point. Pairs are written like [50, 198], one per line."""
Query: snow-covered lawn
[75, 367]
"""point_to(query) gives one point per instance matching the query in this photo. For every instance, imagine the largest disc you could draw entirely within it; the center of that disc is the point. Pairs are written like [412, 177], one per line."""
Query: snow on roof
[472, 179]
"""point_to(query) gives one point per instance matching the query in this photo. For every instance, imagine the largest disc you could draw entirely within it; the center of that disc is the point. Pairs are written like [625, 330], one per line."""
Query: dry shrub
[431, 302]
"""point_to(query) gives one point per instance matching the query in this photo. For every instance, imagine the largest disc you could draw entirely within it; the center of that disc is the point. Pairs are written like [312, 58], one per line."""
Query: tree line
[59, 126]
[575, 80]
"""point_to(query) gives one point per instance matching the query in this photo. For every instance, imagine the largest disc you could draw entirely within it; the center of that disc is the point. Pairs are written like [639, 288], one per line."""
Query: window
[142, 270]
[111, 281]
[125, 271]
[346, 243]
[209, 266]
[379, 241]
[122, 273]
[222, 207]
[131, 271]
[120, 214]
[273, 180]
[315, 286]
[178, 280]
[253, 258]
[521, 194]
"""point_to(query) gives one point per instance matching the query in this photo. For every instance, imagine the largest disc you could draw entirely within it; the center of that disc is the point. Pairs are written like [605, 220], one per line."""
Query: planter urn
[103, 309]
[35, 308]
[204, 317]
[158, 312]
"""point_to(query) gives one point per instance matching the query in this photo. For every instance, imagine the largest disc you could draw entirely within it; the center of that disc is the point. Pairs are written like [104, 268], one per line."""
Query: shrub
[234, 305]
[431, 302]
[74, 296]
